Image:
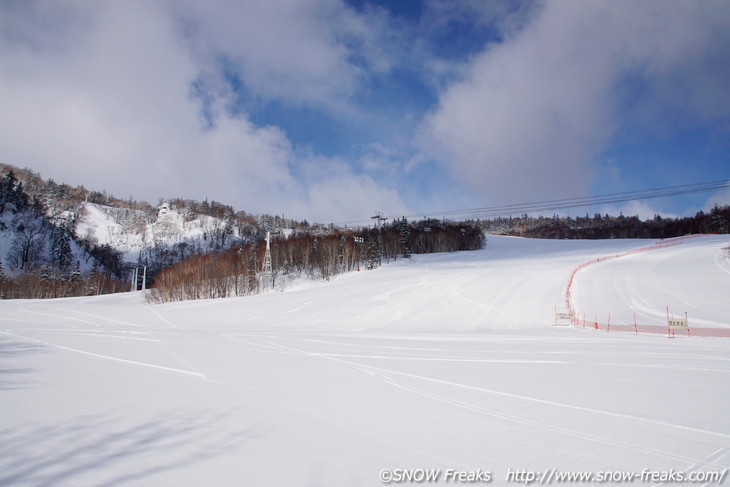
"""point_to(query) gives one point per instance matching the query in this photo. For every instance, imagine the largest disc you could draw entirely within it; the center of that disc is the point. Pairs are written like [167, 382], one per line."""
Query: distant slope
[513, 284]
[132, 231]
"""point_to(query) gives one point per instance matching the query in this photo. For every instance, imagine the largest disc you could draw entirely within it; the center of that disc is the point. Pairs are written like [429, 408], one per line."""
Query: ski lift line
[580, 201]
[686, 187]
[614, 200]
[602, 199]
[611, 197]
[587, 200]
[576, 202]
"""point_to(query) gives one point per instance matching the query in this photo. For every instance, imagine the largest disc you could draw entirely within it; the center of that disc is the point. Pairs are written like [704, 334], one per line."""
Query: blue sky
[330, 110]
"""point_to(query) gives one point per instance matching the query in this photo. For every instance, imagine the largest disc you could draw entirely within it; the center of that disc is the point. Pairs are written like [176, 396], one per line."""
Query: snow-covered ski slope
[452, 361]
[687, 276]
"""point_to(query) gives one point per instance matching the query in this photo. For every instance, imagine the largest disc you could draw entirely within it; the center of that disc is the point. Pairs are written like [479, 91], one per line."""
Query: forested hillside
[57, 240]
[605, 226]
[319, 255]
[40, 255]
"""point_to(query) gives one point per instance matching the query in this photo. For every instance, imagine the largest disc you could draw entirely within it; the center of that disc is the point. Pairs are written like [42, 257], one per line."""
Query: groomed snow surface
[451, 361]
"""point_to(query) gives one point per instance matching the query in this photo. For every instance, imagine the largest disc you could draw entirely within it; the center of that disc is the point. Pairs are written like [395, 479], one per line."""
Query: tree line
[604, 226]
[238, 271]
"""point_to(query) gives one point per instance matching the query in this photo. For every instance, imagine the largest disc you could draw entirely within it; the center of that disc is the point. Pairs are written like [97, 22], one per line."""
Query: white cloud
[335, 186]
[314, 52]
[112, 95]
[534, 112]
[721, 198]
[642, 209]
[348, 196]
[100, 94]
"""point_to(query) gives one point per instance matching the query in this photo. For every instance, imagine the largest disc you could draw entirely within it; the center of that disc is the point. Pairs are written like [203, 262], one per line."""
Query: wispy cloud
[718, 199]
[327, 111]
[534, 113]
[109, 95]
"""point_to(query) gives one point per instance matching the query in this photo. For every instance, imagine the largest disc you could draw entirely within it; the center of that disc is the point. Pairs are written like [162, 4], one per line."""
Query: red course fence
[636, 327]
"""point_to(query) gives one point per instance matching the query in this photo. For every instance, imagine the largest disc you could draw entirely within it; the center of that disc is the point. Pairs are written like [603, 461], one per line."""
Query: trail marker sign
[674, 323]
[563, 315]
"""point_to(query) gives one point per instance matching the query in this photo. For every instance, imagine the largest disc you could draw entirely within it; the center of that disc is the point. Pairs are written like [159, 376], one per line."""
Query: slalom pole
[636, 328]
[669, 330]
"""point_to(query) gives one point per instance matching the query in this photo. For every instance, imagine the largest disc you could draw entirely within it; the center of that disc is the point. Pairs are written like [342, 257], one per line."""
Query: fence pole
[636, 328]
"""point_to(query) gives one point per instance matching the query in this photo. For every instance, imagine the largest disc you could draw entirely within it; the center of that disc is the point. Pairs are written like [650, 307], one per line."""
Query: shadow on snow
[90, 450]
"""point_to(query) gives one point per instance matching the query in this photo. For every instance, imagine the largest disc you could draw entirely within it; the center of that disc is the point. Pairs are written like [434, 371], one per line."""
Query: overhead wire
[566, 203]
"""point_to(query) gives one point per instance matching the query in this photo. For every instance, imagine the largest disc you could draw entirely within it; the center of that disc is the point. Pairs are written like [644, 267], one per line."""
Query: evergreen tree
[61, 254]
[76, 273]
[93, 286]
[719, 224]
[405, 235]
[48, 278]
[373, 254]
[12, 193]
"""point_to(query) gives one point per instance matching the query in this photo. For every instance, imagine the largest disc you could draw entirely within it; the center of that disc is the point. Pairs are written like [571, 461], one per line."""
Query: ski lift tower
[267, 274]
[378, 219]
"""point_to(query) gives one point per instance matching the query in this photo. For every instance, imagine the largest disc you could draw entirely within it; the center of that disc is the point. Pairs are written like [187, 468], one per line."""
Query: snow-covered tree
[12, 194]
[61, 254]
[373, 254]
[28, 246]
[405, 235]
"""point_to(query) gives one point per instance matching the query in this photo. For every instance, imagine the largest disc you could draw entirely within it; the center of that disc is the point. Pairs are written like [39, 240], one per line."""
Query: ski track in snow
[386, 376]
[452, 361]
[691, 277]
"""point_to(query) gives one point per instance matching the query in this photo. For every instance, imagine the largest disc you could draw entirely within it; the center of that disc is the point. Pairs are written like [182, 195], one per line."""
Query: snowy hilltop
[89, 242]
[59, 235]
